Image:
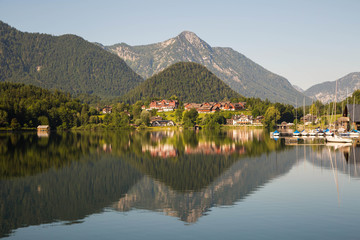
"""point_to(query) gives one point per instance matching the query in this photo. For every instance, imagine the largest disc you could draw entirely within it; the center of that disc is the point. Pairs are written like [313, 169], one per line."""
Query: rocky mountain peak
[191, 37]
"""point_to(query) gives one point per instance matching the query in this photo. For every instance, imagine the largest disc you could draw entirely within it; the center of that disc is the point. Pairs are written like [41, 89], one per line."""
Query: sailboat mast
[335, 103]
[296, 116]
[304, 114]
[353, 120]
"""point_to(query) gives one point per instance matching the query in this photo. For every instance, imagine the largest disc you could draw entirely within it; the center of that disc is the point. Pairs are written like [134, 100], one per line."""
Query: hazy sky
[307, 42]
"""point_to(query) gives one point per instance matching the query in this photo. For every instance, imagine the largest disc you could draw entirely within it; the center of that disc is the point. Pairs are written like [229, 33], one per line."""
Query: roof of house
[43, 126]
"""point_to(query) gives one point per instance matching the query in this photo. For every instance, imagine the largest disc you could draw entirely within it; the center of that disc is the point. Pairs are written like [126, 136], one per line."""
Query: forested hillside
[29, 106]
[67, 63]
[190, 82]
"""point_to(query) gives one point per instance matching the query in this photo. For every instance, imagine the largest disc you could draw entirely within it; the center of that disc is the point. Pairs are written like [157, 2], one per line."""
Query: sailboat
[304, 132]
[296, 133]
[336, 138]
[354, 133]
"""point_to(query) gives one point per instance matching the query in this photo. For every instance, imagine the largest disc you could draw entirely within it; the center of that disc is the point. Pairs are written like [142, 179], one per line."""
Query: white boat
[338, 139]
[354, 134]
[276, 133]
[304, 133]
[312, 133]
[320, 133]
[328, 133]
[296, 133]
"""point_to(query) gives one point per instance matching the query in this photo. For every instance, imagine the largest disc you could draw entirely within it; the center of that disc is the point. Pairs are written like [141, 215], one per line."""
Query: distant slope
[240, 73]
[191, 82]
[298, 88]
[66, 62]
[325, 92]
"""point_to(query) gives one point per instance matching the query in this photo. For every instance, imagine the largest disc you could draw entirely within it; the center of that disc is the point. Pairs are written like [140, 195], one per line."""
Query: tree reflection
[70, 175]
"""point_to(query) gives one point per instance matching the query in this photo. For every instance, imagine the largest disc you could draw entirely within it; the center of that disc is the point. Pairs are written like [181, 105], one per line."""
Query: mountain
[299, 89]
[240, 73]
[67, 62]
[325, 92]
[190, 82]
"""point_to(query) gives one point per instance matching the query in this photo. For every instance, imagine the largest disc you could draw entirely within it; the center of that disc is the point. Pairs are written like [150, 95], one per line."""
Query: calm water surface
[177, 185]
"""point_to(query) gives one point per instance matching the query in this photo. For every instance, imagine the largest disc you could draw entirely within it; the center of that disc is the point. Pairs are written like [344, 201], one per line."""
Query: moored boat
[304, 133]
[354, 134]
[328, 132]
[296, 133]
[312, 133]
[276, 133]
[338, 139]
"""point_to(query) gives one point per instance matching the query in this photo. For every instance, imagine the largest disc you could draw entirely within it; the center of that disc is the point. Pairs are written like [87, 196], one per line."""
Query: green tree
[313, 110]
[3, 118]
[15, 125]
[84, 115]
[136, 110]
[272, 115]
[179, 114]
[145, 117]
[43, 120]
[153, 112]
[190, 117]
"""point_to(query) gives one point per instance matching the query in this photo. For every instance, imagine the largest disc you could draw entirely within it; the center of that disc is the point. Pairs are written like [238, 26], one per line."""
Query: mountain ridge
[325, 91]
[235, 69]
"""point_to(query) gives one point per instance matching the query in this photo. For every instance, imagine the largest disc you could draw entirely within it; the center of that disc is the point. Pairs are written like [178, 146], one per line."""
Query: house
[155, 118]
[189, 106]
[352, 111]
[343, 122]
[229, 121]
[243, 104]
[229, 106]
[107, 109]
[283, 125]
[43, 128]
[309, 118]
[259, 119]
[164, 105]
[162, 123]
[208, 108]
[242, 119]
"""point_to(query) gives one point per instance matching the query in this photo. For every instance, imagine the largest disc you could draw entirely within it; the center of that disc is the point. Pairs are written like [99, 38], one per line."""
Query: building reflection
[233, 143]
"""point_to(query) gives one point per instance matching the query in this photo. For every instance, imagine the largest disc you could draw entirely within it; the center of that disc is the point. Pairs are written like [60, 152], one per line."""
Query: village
[241, 116]
[205, 107]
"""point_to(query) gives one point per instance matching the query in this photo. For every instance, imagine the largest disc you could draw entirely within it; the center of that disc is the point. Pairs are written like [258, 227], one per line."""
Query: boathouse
[43, 128]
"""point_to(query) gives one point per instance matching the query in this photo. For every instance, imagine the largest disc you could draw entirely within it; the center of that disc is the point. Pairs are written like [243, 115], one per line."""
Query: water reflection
[336, 157]
[241, 179]
[69, 176]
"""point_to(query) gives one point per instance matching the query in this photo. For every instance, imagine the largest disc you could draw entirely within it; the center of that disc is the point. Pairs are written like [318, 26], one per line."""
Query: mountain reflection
[241, 179]
[69, 176]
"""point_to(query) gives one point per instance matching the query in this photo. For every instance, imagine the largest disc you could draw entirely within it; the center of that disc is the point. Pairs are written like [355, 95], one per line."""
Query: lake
[230, 184]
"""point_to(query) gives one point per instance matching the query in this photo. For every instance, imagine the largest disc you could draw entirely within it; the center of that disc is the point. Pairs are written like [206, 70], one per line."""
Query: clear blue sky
[306, 41]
